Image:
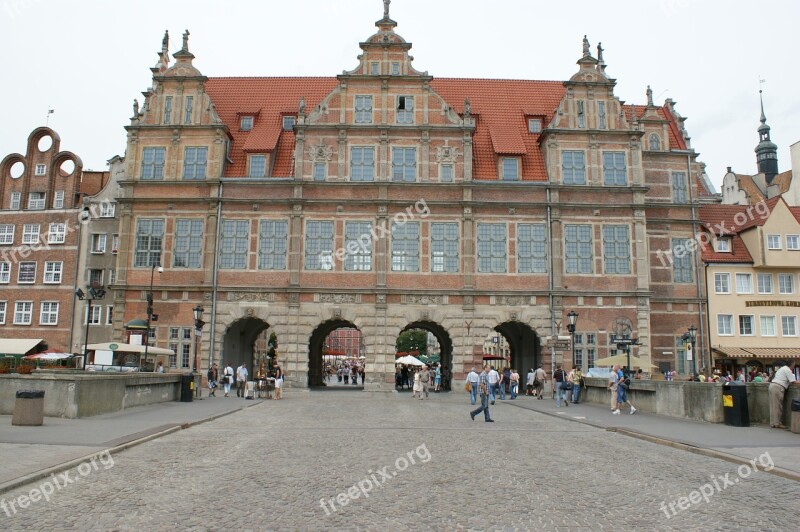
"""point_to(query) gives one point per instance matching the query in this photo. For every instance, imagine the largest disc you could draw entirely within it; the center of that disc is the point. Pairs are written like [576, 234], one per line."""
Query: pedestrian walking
[437, 378]
[484, 387]
[494, 382]
[417, 387]
[612, 386]
[474, 380]
[539, 380]
[502, 383]
[227, 379]
[513, 383]
[278, 382]
[623, 382]
[425, 379]
[241, 380]
[783, 378]
[529, 383]
[577, 385]
[561, 384]
[212, 376]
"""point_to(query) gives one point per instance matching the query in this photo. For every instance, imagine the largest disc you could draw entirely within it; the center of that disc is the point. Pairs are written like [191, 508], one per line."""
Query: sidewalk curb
[703, 451]
[31, 477]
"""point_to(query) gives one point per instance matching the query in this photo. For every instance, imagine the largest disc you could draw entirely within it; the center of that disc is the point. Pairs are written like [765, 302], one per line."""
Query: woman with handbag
[213, 375]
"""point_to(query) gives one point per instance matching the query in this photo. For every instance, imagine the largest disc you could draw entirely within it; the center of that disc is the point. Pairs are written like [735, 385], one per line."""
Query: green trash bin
[734, 404]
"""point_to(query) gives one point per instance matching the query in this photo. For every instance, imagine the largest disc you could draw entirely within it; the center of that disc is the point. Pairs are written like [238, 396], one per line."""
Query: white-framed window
[246, 123]
[492, 255]
[94, 277]
[187, 243]
[405, 110]
[319, 245]
[48, 314]
[112, 276]
[30, 234]
[786, 283]
[531, 248]
[234, 244]
[615, 171]
[5, 272]
[41, 169]
[601, 116]
[773, 241]
[724, 325]
[793, 242]
[444, 247]
[110, 315]
[93, 315]
[534, 125]
[3, 308]
[746, 325]
[654, 142]
[616, 249]
[58, 199]
[363, 108]
[187, 109]
[149, 234]
[52, 272]
[258, 166]
[16, 200]
[358, 244]
[578, 249]
[789, 325]
[744, 283]
[194, 162]
[6, 234]
[405, 247]
[36, 201]
[446, 173]
[404, 164]
[114, 244]
[764, 283]
[573, 167]
[723, 245]
[682, 269]
[288, 122]
[153, 163]
[108, 209]
[272, 248]
[57, 233]
[768, 326]
[180, 341]
[509, 169]
[99, 243]
[722, 283]
[167, 109]
[362, 163]
[680, 192]
[23, 312]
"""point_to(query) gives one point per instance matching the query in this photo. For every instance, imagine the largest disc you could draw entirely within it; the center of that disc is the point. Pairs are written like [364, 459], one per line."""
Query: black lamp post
[573, 319]
[95, 293]
[198, 333]
[150, 307]
[692, 337]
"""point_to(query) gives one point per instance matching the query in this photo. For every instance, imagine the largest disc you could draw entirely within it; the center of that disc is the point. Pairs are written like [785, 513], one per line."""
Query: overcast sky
[88, 59]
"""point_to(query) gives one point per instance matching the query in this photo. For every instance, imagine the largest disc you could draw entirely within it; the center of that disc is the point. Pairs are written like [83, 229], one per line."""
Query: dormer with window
[723, 245]
[246, 123]
[288, 122]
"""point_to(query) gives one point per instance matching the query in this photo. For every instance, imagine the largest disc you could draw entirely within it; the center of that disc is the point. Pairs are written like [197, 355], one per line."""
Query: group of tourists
[346, 372]
[415, 378]
[240, 377]
[499, 383]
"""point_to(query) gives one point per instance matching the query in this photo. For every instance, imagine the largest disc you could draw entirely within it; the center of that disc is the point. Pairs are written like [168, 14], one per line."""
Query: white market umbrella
[409, 361]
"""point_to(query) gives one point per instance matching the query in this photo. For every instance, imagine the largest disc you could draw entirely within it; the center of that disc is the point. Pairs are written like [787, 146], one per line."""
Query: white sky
[88, 59]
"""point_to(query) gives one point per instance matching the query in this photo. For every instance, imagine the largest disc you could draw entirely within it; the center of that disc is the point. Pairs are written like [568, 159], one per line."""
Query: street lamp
[573, 319]
[198, 332]
[150, 306]
[691, 338]
[94, 294]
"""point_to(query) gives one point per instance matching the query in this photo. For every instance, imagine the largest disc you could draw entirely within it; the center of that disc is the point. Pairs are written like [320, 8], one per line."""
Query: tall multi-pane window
[363, 109]
[99, 243]
[793, 242]
[509, 169]
[36, 201]
[94, 277]
[531, 248]
[188, 244]
[601, 115]
[246, 123]
[768, 326]
[446, 173]
[573, 167]
[404, 164]
[48, 314]
[6, 233]
[362, 163]
[194, 162]
[272, 238]
[682, 271]
[109, 314]
[30, 233]
[786, 283]
[744, 283]
[405, 247]
[722, 283]
[5, 272]
[108, 209]
[153, 163]
[3, 309]
[617, 249]
[680, 355]
[444, 247]
[168, 109]
[491, 248]
[320, 171]
[57, 233]
[234, 244]
[764, 283]
[789, 325]
[725, 324]
[679, 188]
[187, 110]
[405, 109]
[581, 114]
[23, 310]
[773, 241]
[614, 168]
[58, 199]
[180, 341]
[16, 199]
[746, 325]
[654, 142]
[319, 246]
[585, 347]
[258, 166]
[52, 272]
[358, 244]
[578, 249]
[149, 234]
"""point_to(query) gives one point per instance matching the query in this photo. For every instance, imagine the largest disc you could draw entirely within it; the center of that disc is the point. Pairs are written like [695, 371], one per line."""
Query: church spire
[766, 151]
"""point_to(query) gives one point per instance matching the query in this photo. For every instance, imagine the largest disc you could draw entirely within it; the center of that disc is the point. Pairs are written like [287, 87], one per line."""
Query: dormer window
[509, 167]
[246, 123]
[534, 125]
[723, 245]
[288, 123]
[654, 142]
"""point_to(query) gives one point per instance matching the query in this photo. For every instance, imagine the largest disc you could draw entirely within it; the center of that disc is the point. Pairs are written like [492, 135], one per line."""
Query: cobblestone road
[389, 462]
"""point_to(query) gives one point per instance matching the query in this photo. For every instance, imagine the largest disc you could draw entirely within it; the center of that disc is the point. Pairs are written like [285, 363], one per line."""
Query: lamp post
[198, 333]
[150, 307]
[691, 336]
[95, 293]
[573, 319]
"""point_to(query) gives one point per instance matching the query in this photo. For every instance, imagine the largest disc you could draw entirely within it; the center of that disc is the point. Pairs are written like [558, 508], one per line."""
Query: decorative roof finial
[650, 97]
[600, 53]
[761, 97]
[386, 8]
[185, 47]
[467, 108]
[586, 52]
[165, 42]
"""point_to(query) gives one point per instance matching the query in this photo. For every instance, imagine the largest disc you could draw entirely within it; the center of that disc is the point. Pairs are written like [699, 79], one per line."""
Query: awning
[18, 346]
[128, 348]
[758, 352]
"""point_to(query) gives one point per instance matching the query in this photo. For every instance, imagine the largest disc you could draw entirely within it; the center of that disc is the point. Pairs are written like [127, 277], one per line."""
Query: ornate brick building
[385, 199]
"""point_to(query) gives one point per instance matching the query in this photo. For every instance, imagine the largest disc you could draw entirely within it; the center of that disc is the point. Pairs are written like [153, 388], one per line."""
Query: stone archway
[523, 343]
[316, 343]
[442, 336]
[238, 342]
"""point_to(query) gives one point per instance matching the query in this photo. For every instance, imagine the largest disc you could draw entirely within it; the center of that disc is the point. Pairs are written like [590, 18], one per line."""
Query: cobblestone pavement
[356, 460]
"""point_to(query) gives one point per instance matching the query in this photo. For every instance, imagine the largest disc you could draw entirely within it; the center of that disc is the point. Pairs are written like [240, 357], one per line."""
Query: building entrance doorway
[336, 356]
[244, 342]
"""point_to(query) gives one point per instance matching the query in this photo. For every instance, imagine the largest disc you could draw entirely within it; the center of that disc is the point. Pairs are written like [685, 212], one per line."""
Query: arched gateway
[238, 342]
[523, 343]
[316, 345]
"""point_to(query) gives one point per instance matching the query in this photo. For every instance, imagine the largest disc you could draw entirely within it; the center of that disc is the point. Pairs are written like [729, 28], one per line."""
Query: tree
[272, 349]
[412, 340]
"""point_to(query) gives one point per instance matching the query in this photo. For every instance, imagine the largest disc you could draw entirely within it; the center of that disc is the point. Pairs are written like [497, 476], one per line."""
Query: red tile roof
[719, 221]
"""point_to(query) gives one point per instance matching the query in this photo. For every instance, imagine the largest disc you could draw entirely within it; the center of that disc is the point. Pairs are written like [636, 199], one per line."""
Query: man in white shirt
[493, 378]
[241, 380]
[541, 377]
[475, 382]
[783, 378]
